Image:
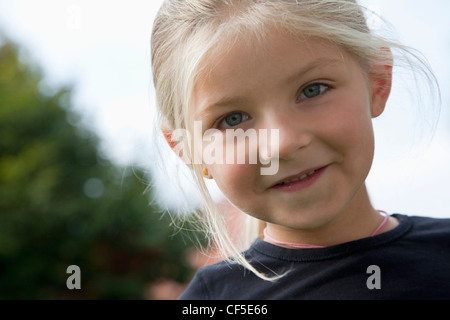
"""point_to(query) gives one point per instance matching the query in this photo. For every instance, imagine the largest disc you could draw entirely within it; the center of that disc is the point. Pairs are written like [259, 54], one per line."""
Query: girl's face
[322, 103]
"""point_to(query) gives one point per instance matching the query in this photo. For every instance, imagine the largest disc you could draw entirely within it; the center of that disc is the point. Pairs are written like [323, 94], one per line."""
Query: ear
[380, 78]
[168, 136]
[180, 149]
[176, 143]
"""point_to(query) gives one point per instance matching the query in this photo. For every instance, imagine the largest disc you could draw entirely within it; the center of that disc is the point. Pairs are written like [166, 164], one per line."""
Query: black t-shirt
[411, 261]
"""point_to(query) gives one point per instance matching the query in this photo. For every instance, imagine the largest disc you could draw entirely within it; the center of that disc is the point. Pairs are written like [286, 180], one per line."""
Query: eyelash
[221, 120]
[323, 86]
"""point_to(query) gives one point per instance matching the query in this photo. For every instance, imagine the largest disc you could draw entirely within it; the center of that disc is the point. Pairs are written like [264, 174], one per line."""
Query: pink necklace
[268, 238]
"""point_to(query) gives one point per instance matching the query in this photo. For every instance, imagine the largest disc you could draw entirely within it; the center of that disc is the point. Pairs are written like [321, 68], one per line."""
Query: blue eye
[312, 91]
[233, 120]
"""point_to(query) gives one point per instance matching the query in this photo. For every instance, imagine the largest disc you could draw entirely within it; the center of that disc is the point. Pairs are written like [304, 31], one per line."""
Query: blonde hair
[186, 32]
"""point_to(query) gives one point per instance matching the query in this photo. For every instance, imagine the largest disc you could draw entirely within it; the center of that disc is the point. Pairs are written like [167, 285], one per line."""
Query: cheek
[231, 177]
[350, 132]
[357, 134]
[237, 182]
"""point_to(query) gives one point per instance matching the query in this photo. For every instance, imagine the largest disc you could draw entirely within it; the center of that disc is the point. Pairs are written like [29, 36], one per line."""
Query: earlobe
[206, 174]
[381, 82]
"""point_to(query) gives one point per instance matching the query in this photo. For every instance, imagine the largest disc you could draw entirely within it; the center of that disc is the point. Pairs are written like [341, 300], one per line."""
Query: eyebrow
[315, 64]
[239, 100]
[224, 102]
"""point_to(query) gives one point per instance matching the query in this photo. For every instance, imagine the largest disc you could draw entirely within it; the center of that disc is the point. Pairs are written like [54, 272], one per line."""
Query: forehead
[237, 67]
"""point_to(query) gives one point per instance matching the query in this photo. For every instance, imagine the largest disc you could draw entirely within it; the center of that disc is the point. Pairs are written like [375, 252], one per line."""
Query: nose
[293, 133]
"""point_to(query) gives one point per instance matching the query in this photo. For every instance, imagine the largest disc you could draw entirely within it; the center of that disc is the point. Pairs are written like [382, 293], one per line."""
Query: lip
[300, 184]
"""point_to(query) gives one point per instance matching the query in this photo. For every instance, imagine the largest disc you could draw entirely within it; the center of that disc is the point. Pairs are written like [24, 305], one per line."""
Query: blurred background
[77, 173]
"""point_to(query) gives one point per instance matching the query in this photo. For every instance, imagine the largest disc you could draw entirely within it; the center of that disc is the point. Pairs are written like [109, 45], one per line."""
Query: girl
[313, 74]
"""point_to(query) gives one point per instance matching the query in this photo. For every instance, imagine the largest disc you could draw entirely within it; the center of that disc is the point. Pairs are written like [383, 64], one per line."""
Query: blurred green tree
[62, 204]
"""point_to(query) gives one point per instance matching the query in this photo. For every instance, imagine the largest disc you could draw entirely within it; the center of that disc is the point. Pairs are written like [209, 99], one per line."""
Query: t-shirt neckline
[317, 254]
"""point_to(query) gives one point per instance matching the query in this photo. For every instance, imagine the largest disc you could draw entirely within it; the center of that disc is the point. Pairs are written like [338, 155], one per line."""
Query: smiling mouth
[302, 177]
[300, 181]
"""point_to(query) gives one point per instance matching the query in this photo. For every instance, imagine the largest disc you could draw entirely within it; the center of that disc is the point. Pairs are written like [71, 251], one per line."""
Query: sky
[102, 48]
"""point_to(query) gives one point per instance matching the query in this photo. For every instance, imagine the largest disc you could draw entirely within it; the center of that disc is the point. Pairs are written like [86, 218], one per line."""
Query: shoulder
[429, 225]
[210, 280]
[430, 228]
[227, 279]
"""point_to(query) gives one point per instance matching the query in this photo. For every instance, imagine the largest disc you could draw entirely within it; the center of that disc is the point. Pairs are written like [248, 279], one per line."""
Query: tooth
[297, 179]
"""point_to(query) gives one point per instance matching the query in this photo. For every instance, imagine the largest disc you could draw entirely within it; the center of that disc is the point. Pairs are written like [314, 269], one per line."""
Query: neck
[356, 221]
[295, 245]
